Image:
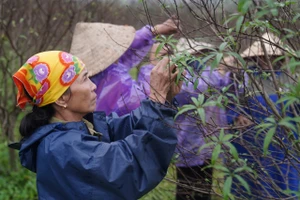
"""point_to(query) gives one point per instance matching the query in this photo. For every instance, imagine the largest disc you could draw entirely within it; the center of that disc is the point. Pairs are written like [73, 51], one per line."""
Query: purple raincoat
[191, 135]
[116, 90]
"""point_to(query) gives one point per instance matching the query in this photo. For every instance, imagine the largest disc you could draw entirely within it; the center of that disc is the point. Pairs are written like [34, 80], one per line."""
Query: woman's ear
[62, 101]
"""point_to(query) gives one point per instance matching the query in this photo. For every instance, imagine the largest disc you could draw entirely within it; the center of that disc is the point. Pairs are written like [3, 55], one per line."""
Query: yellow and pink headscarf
[45, 77]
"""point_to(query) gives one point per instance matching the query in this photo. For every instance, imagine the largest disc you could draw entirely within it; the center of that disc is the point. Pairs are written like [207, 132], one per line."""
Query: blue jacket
[277, 171]
[130, 160]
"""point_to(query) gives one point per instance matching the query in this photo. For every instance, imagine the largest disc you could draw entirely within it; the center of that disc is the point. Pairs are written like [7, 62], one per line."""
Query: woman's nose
[93, 86]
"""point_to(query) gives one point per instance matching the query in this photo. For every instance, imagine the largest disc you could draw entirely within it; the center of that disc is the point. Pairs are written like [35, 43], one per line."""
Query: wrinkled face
[83, 97]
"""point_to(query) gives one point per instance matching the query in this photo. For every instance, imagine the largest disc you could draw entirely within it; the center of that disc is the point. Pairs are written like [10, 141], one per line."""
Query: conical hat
[99, 45]
[269, 40]
[191, 46]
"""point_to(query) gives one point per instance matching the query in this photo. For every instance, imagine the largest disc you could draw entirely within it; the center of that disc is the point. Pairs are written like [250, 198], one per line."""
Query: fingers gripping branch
[162, 81]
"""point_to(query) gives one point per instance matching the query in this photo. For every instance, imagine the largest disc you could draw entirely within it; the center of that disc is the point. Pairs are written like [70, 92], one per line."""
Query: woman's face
[82, 97]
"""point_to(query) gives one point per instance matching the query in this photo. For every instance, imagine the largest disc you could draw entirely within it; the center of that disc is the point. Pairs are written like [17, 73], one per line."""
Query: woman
[278, 170]
[124, 49]
[78, 154]
[191, 165]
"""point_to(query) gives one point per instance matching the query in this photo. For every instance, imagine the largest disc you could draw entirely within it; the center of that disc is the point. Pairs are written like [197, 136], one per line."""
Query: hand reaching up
[162, 81]
[170, 26]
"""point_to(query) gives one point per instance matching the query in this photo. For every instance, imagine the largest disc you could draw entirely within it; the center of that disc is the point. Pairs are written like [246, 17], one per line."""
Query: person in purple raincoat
[116, 90]
[191, 135]
[119, 93]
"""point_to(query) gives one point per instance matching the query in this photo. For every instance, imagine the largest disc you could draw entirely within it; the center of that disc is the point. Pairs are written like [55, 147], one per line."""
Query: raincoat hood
[29, 145]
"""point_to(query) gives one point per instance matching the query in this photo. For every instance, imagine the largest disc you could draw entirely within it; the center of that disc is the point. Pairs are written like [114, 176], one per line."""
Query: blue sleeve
[134, 163]
[148, 109]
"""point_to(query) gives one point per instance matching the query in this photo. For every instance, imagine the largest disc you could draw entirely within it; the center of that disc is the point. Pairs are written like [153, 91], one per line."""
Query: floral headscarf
[45, 77]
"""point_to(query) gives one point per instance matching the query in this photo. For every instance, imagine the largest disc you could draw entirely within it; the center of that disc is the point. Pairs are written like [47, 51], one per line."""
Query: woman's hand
[242, 122]
[162, 81]
[175, 88]
[170, 26]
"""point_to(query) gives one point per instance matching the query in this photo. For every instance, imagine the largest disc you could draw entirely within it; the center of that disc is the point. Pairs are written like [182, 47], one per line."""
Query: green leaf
[210, 56]
[219, 57]
[209, 103]
[220, 99]
[239, 22]
[221, 135]
[201, 114]
[205, 146]
[238, 56]
[271, 120]
[233, 96]
[216, 61]
[261, 13]
[292, 65]
[278, 59]
[232, 150]
[227, 137]
[296, 119]
[292, 100]
[226, 88]
[295, 18]
[215, 153]
[227, 186]
[222, 168]
[195, 101]
[268, 139]
[286, 122]
[196, 83]
[161, 38]
[190, 69]
[213, 138]
[23, 36]
[243, 182]
[274, 11]
[201, 99]
[230, 19]
[246, 168]
[159, 48]
[239, 169]
[184, 109]
[243, 6]
[264, 126]
[283, 99]
[222, 46]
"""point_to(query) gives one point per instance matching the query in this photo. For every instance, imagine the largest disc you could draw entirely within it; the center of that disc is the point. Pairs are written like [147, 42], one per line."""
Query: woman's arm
[124, 169]
[144, 39]
[139, 48]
